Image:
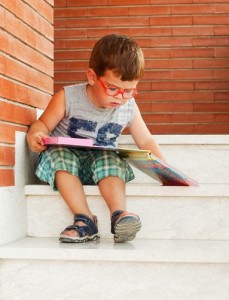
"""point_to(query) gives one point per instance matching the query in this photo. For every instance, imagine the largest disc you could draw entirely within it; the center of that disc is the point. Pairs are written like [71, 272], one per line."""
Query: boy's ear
[91, 76]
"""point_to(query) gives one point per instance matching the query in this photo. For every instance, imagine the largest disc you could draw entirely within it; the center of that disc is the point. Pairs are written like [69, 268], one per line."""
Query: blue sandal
[87, 232]
[124, 226]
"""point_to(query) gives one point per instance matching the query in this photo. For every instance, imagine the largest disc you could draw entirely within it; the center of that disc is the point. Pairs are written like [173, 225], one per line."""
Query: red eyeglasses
[113, 90]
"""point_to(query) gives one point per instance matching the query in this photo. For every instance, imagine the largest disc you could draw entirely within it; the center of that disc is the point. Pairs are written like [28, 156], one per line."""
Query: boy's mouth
[115, 104]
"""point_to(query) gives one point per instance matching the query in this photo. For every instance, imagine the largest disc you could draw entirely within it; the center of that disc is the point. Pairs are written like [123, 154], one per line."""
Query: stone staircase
[182, 251]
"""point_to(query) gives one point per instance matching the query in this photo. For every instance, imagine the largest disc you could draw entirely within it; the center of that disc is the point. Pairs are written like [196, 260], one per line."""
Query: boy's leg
[60, 167]
[124, 225]
[71, 190]
[113, 191]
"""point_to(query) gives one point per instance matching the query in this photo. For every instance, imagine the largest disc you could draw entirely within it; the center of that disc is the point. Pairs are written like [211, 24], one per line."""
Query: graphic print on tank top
[104, 136]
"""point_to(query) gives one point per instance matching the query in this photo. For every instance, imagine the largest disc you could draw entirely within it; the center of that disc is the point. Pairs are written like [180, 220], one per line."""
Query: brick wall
[26, 72]
[185, 89]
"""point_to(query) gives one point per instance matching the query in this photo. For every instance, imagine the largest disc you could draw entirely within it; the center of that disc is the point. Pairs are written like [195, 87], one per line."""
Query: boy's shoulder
[75, 86]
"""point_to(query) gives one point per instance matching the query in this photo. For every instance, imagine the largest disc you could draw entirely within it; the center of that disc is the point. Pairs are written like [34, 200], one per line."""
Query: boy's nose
[119, 95]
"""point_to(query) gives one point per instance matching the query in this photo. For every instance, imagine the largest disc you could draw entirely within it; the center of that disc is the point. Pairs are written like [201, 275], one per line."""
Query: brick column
[26, 72]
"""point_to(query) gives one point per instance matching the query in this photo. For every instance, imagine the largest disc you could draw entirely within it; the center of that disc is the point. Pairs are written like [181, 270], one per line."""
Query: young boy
[99, 109]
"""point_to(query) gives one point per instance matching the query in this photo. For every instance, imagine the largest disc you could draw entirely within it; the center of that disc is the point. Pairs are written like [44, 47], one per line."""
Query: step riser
[30, 279]
[162, 217]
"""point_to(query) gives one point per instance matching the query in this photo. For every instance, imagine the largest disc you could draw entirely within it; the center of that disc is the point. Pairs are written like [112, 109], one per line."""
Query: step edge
[171, 252]
[203, 190]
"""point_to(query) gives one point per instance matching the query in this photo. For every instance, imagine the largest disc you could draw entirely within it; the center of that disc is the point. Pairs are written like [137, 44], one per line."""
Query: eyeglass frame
[119, 90]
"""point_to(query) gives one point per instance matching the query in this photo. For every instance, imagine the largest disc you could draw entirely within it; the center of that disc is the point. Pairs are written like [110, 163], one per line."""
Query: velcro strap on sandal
[89, 227]
[81, 230]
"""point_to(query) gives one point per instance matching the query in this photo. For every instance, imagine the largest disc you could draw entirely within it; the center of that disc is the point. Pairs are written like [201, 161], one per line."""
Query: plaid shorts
[89, 165]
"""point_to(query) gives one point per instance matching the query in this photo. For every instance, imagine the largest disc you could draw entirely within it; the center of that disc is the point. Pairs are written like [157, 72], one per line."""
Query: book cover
[143, 160]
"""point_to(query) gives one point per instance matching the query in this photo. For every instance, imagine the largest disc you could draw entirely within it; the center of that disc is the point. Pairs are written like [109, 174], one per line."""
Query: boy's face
[99, 90]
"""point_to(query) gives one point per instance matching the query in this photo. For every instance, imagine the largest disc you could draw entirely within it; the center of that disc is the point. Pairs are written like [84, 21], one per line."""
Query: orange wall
[26, 69]
[185, 89]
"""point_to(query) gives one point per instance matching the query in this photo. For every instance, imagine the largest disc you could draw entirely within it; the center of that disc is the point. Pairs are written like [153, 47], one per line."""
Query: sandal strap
[81, 230]
[114, 219]
[90, 225]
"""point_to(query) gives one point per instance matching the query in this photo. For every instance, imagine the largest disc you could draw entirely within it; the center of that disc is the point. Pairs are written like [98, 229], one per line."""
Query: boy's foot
[124, 226]
[85, 229]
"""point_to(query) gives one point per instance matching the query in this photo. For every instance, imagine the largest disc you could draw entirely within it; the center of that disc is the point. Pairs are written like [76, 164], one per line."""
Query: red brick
[210, 1]
[193, 118]
[171, 129]
[210, 20]
[29, 16]
[166, 107]
[6, 177]
[193, 31]
[179, 118]
[61, 3]
[157, 53]
[221, 8]
[22, 93]
[222, 96]
[7, 132]
[211, 85]
[26, 54]
[70, 77]
[171, 2]
[149, 10]
[176, 96]
[51, 2]
[16, 113]
[7, 156]
[171, 21]
[156, 75]
[70, 33]
[192, 74]
[192, 9]
[172, 86]
[168, 64]
[25, 74]
[127, 2]
[211, 63]
[221, 52]
[221, 74]
[43, 8]
[210, 41]
[71, 55]
[211, 107]
[144, 85]
[222, 118]
[86, 3]
[193, 52]
[222, 30]
[157, 118]
[213, 128]
[171, 42]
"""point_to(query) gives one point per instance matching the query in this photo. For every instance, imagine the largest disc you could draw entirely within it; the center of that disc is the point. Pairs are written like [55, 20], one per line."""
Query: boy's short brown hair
[118, 53]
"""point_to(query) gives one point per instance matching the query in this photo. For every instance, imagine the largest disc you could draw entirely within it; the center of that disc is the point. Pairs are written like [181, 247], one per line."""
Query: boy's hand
[35, 141]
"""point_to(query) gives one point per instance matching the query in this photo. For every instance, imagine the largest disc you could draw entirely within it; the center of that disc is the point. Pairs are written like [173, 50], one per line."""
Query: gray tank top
[84, 120]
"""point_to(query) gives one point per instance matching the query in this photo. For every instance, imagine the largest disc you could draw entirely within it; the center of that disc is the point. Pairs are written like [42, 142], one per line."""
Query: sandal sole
[68, 239]
[126, 229]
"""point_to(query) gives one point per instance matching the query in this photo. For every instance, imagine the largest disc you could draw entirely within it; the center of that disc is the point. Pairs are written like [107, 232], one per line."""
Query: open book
[143, 160]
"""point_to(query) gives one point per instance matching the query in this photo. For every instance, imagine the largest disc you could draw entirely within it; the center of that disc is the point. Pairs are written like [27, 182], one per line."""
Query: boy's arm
[50, 118]
[142, 135]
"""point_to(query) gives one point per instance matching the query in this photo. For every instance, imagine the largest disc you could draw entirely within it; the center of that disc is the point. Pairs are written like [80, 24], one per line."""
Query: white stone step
[42, 268]
[166, 212]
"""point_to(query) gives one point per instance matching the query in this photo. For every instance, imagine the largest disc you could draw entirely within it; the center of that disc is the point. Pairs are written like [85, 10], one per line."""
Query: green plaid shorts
[89, 165]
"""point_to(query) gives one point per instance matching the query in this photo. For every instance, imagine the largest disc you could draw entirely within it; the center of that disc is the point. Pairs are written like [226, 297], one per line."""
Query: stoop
[182, 251]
